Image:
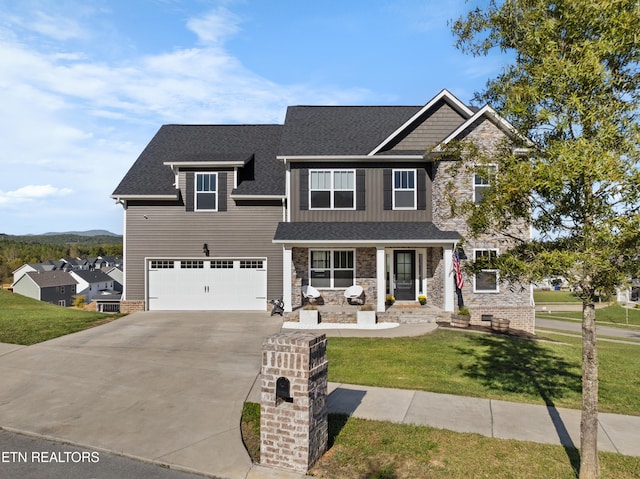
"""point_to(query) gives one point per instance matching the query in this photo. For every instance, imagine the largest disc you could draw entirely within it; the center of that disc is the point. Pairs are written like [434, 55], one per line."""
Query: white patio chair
[354, 294]
[310, 293]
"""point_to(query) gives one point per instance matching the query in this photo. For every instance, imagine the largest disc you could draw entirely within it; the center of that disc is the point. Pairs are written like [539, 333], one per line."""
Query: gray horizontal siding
[169, 231]
[374, 201]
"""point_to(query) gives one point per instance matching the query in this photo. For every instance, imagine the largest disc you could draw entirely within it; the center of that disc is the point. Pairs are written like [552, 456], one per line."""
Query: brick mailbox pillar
[293, 410]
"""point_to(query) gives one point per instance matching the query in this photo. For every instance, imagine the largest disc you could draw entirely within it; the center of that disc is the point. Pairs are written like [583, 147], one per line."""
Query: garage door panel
[227, 284]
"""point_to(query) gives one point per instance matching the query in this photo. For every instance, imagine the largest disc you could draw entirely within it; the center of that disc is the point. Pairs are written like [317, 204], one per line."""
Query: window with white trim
[482, 180]
[404, 189]
[486, 280]
[206, 192]
[332, 189]
[331, 268]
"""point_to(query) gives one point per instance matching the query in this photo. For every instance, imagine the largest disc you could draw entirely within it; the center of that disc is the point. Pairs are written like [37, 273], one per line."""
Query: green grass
[542, 296]
[615, 314]
[360, 448]
[495, 367]
[470, 364]
[382, 450]
[28, 321]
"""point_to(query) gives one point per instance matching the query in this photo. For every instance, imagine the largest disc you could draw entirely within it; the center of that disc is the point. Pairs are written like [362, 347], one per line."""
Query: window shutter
[360, 190]
[191, 186]
[388, 189]
[304, 189]
[222, 191]
[422, 189]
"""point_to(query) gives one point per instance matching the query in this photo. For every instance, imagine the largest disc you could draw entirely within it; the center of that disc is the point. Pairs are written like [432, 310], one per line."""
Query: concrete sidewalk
[492, 418]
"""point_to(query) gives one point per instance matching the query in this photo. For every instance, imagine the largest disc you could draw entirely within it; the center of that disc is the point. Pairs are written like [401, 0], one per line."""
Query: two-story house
[55, 287]
[230, 216]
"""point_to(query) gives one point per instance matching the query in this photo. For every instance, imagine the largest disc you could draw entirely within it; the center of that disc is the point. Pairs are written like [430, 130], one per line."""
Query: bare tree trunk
[589, 466]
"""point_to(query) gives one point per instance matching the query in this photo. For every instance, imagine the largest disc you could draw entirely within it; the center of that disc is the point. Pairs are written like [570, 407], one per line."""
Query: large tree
[573, 89]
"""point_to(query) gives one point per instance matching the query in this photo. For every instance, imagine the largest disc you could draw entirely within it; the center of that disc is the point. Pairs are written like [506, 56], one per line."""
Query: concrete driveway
[167, 387]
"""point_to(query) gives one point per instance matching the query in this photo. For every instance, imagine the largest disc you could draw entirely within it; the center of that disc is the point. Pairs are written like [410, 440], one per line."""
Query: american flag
[457, 271]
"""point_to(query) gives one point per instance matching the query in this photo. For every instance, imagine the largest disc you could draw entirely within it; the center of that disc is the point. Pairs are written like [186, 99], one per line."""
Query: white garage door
[216, 284]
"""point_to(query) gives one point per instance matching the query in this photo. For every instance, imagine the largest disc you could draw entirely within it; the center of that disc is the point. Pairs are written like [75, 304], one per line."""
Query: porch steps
[406, 313]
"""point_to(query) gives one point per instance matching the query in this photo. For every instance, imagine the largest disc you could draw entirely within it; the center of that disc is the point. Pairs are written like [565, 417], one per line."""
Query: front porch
[405, 272]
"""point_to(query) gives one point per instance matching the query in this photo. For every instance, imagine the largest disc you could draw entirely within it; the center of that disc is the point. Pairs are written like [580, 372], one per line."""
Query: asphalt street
[576, 327]
[28, 457]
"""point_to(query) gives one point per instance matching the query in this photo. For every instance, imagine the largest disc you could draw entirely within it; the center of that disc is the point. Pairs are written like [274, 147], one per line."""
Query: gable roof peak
[444, 95]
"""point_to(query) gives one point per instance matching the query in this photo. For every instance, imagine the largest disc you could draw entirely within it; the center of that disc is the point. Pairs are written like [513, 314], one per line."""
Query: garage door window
[192, 264]
[162, 264]
[222, 264]
[251, 264]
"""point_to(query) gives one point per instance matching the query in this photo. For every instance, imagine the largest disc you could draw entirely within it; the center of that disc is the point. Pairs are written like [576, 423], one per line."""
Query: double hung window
[483, 179]
[332, 189]
[331, 268]
[404, 189]
[486, 280]
[206, 192]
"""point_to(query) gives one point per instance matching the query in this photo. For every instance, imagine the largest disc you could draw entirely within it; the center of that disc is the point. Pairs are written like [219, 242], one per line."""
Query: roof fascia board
[144, 197]
[403, 243]
[488, 112]
[348, 159]
[257, 197]
[208, 164]
[444, 94]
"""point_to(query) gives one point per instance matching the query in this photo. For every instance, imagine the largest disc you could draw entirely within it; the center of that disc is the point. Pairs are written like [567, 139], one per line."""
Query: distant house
[91, 283]
[117, 275]
[56, 287]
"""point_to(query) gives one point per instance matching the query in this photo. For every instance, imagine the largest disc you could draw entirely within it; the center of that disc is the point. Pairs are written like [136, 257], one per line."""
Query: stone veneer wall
[365, 264]
[435, 288]
[128, 307]
[512, 302]
[294, 432]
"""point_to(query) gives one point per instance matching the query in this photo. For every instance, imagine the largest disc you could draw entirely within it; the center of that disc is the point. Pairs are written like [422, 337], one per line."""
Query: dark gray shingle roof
[95, 276]
[362, 231]
[263, 175]
[49, 279]
[340, 130]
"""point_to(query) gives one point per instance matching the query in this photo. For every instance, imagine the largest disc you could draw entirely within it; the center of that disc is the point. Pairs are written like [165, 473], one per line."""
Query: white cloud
[215, 27]
[32, 192]
[77, 122]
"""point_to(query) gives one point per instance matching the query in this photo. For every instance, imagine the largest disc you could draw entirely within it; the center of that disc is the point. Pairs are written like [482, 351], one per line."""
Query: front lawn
[544, 296]
[488, 366]
[469, 364]
[28, 321]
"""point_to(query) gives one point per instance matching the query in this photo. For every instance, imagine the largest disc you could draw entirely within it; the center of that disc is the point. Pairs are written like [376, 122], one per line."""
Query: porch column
[287, 264]
[380, 278]
[447, 279]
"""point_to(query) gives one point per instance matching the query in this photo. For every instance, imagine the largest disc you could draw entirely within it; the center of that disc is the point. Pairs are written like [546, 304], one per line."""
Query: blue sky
[84, 85]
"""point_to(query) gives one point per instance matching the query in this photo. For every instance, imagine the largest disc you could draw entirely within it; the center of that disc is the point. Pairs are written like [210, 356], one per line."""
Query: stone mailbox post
[293, 410]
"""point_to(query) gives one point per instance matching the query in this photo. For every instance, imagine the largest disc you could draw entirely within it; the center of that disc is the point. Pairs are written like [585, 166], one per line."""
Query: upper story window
[404, 189]
[483, 179]
[206, 192]
[486, 280]
[332, 189]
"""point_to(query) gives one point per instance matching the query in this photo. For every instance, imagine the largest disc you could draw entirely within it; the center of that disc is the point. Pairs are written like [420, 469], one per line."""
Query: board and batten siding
[158, 230]
[433, 129]
[374, 197]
